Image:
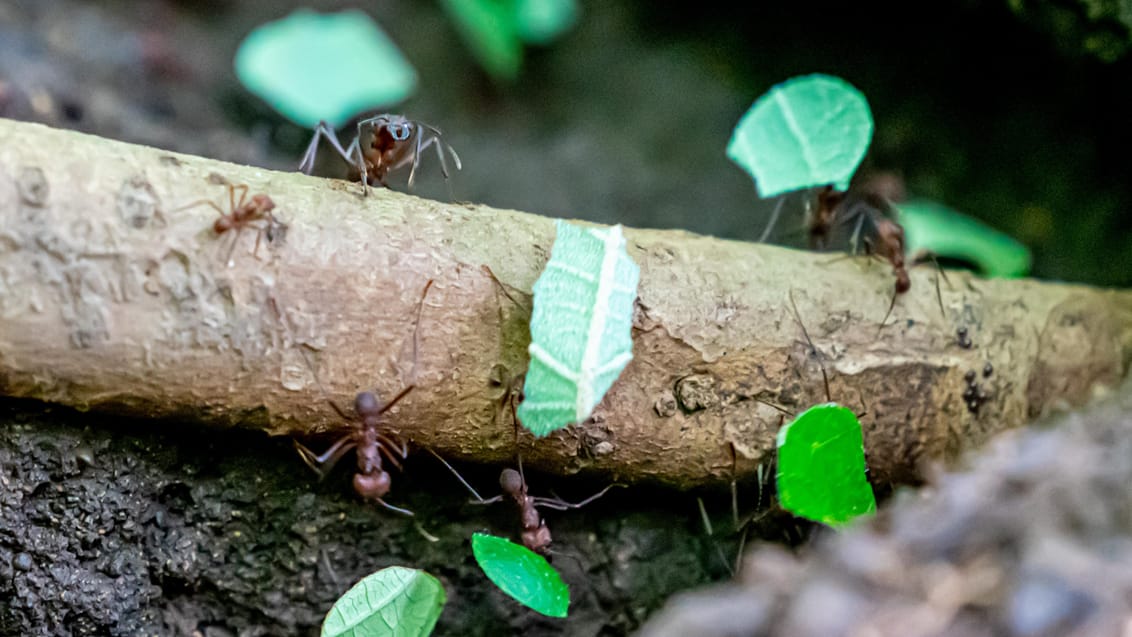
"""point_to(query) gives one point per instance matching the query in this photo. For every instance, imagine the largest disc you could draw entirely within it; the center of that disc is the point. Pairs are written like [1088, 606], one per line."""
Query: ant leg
[813, 348]
[389, 455]
[399, 446]
[324, 464]
[734, 486]
[393, 508]
[464, 482]
[243, 188]
[202, 202]
[773, 219]
[891, 305]
[235, 241]
[416, 157]
[322, 130]
[558, 504]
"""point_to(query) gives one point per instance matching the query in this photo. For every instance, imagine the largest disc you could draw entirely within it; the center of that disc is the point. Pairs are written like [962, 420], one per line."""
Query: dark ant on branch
[241, 214]
[383, 143]
[371, 481]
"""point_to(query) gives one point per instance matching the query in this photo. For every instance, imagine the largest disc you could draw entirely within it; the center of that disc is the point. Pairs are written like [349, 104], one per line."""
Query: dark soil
[114, 528]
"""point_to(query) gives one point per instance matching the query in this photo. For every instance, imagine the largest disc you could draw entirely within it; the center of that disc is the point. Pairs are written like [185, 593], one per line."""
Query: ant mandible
[243, 214]
[383, 143]
[371, 481]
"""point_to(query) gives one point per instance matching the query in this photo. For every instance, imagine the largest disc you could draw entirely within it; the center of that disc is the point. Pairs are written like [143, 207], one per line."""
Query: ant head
[263, 202]
[366, 405]
[511, 482]
[399, 131]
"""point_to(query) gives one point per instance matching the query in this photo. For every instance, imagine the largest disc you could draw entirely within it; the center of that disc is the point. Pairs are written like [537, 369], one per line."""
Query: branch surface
[115, 296]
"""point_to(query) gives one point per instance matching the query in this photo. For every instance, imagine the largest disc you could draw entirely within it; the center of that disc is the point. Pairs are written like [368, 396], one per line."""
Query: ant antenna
[773, 218]
[813, 348]
[457, 474]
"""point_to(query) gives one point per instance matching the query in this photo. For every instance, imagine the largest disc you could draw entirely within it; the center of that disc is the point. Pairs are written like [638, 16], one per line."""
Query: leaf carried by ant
[808, 131]
[580, 327]
[821, 466]
[489, 28]
[393, 602]
[541, 22]
[313, 67]
[945, 233]
[523, 574]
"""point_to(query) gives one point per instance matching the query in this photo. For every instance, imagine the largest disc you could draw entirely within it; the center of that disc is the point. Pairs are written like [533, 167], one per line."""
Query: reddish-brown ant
[242, 214]
[383, 143]
[372, 481]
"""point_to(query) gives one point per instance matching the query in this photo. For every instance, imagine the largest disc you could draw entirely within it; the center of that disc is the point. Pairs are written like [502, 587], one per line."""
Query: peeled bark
[114, 296]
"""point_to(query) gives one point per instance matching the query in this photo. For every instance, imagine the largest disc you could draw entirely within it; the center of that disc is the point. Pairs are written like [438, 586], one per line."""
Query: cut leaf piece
[821, 466]
[490, 31]
[312, 67]
[934, 227]
[543, 21]
[580, 327]
[807, 131]
[522, 574]
[393, 602]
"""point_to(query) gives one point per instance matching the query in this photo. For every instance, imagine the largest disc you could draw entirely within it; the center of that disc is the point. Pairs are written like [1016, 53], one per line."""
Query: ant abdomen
[372, 486]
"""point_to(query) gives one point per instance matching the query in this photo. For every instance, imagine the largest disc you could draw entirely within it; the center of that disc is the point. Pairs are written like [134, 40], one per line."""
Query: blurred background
[1012, 111]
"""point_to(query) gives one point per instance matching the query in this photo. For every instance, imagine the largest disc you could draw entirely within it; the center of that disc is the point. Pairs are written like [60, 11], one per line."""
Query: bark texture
[114, 296]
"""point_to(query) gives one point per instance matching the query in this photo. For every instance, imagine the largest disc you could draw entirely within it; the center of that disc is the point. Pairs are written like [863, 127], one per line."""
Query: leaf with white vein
[580, 327]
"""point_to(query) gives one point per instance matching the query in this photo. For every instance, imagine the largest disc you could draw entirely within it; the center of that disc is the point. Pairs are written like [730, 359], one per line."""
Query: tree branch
[111, 297]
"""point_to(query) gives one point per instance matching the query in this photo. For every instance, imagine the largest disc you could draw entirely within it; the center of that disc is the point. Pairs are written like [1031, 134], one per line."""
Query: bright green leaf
[821, 466]
[522, 574]
[580, 327]
[946, 233]
[312, 67]
[543, 21]
[393, 602]
[807, 131]
[490, 31]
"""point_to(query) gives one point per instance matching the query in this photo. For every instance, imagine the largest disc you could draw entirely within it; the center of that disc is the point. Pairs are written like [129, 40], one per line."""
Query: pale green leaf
[393, 602]
[490, 31]
[935, 228]
[580, 327]
[807, 131]
[312, 67]
[543, 21]
[821, 466]
[523, 574]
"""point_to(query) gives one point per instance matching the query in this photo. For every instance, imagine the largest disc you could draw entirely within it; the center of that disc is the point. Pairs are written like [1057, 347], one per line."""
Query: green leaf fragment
[946, 233]
[312, 67]
[821, 466]
[580, 327]
[490, 31]
[523, 574]
[393, 602]
[543, 21]
[807, 131]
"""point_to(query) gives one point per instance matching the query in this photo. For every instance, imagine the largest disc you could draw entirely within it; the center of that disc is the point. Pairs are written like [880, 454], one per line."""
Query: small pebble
[988, 369]
[969, 377]
[23, 562]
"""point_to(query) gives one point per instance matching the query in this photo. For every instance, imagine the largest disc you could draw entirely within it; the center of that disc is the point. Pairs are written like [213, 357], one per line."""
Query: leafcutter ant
[241, 214]
[371, 481]
[535, 534]
[382, 144]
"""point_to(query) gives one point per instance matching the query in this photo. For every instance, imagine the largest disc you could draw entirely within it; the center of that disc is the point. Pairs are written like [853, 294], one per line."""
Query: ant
[535, 534]
[372, 481]
[383, 143]
[886, 240]
[243, 214]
